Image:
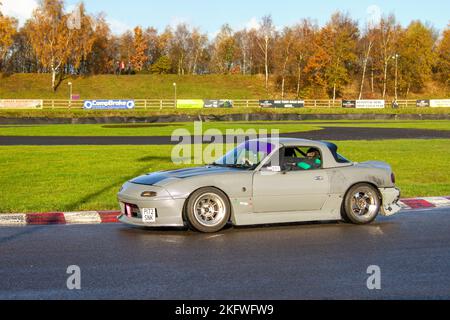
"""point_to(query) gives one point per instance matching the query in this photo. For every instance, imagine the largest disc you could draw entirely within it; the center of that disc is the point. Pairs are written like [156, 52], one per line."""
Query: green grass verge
[144, 129]
[80, 113]
[160, 129]
[38, 179]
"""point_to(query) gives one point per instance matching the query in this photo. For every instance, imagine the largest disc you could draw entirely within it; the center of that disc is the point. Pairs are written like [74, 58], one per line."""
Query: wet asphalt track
[328, 133]
[308, 261]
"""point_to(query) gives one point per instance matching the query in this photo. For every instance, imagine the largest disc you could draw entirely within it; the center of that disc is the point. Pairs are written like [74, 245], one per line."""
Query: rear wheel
[362, 204]
[208, 210]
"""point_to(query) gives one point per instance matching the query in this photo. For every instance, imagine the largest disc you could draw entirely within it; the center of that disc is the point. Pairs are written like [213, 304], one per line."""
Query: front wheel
[208, 210]
[362, 204]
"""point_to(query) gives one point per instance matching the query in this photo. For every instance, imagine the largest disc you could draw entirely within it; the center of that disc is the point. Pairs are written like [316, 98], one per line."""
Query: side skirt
[330, 211]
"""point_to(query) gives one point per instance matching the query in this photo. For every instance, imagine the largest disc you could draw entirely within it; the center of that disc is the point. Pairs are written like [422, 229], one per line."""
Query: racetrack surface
[328, 133]
[305, 261]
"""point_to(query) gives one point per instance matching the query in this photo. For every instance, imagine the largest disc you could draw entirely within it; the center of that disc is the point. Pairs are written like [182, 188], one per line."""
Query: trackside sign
[364, 104]
[108, 104]
[370, 104]
[21, 104]
[443, 103]
[282, 103]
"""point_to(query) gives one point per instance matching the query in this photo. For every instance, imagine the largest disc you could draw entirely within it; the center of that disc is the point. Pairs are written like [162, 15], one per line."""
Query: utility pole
[396, 75]
[175, 94]
[70, 94]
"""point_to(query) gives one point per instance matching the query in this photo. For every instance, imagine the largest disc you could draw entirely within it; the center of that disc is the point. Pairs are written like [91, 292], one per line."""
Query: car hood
[162, 176]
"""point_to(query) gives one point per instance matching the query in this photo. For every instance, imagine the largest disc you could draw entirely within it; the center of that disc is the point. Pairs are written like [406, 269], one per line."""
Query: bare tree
[367, 44]
[388, 30]
[266, 34]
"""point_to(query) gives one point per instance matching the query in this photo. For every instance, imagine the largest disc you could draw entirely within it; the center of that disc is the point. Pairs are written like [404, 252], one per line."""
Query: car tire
[207, 210]
[362, 204]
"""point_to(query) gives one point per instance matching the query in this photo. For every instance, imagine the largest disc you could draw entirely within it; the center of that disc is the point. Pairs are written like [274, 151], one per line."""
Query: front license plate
[149, 215]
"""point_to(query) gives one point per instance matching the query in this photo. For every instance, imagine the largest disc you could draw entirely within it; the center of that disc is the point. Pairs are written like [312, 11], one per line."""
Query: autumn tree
[366, 45]
[101, 57]
[387, 34]
[8, 29]
[283, 55]
[161, 66]
[416, 57]
[153, 51]
[196, 46]
[224, 50]
[303, 50]
[443, 59]
[180, 47]
[243, 53]
[139, 57]
[126, 47]
[336, 53]
[81, 37]
[57, 37]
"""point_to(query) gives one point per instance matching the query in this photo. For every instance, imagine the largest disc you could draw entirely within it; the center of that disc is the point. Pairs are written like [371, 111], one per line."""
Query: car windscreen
[248, 155]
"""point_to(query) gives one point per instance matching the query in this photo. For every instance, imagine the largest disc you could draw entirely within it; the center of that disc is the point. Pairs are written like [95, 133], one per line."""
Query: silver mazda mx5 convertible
[266, 181]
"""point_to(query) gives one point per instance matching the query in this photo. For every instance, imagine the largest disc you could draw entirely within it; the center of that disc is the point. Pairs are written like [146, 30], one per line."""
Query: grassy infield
[36, 179]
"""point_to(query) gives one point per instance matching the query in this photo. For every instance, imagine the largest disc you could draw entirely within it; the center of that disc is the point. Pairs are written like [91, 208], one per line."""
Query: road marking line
[19, 219]
[86, 217]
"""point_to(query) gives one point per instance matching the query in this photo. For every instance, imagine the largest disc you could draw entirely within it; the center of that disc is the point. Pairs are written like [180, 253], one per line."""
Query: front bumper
[169, 211]
[391, 198]
[160, 223]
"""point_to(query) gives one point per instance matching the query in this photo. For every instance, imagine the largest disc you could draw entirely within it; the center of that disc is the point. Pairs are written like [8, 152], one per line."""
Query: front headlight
[148, 194]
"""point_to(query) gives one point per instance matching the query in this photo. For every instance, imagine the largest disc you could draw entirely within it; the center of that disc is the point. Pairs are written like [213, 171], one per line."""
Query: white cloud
[176, 21]
[20, 9]
[253, 24]
[373, 16]
[118, 27]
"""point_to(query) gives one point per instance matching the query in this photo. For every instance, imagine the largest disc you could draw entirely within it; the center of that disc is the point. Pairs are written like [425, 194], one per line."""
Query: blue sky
[209, 15]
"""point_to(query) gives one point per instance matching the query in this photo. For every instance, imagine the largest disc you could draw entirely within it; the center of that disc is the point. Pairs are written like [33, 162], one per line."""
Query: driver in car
[312, 160]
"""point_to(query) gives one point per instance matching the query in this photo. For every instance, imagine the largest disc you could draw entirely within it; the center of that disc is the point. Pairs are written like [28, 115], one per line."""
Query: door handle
[318, 178]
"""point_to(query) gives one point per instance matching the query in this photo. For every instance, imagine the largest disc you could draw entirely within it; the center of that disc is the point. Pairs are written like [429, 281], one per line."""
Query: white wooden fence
[170, 104]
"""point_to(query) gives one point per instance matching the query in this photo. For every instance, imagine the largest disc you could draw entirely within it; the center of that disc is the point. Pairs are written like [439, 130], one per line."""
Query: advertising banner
[370, 104]
[440, 103]
[190, 104]
[217, 104]
[282, 103]
[348, 103]
[422, 103]
[21, 104]
[108, 104]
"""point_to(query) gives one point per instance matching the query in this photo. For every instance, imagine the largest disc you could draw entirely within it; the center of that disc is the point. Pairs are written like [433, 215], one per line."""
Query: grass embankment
[38, 86]
[37, 179]
[159, 129]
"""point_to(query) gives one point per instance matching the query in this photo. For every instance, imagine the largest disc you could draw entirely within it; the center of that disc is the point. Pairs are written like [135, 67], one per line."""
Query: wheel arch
[203, 187]
[355, 184]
